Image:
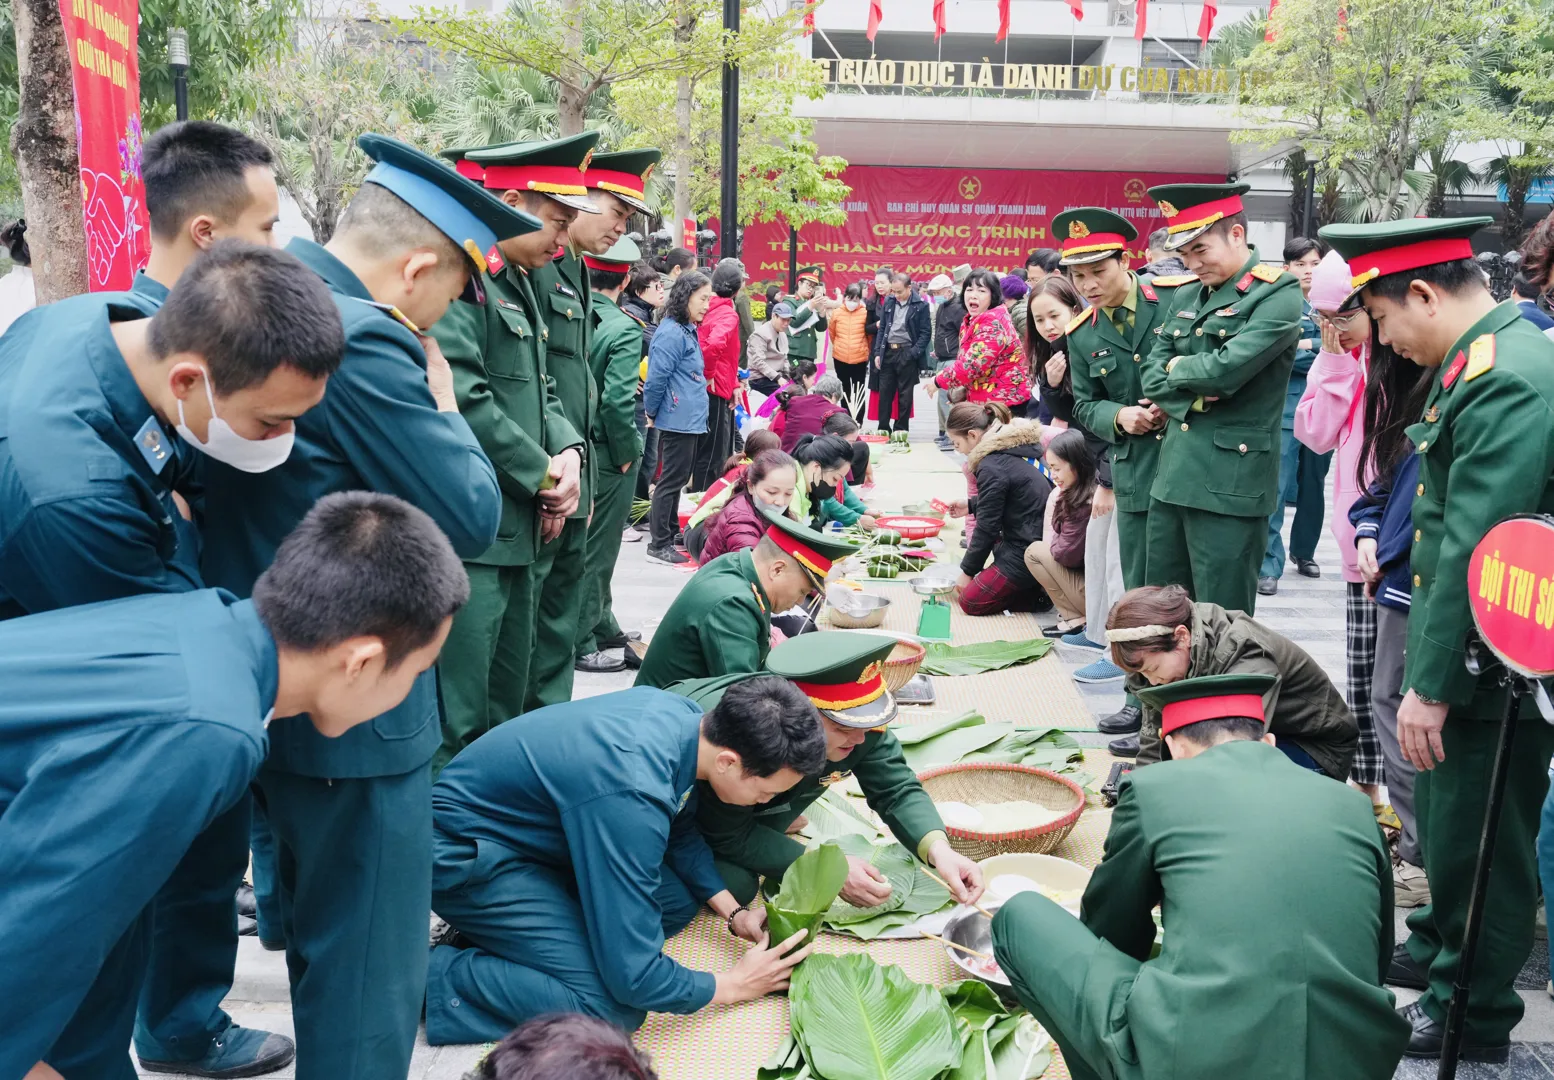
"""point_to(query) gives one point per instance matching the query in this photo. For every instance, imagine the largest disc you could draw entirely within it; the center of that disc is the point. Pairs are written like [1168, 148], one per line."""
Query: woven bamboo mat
[905, 605]
[1040, 694]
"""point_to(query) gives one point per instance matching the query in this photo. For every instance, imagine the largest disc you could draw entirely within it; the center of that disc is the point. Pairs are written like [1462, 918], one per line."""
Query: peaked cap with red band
[621, 257]
[813, 550]
[1209, 697]
[1396, 247]
[556, 168]
[1190, 209]
[841, 672]
[624, 174]
[1089, 234]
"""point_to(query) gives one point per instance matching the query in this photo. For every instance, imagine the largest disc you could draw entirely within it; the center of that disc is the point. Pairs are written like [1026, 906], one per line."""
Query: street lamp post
[178, 60]
[728, 205]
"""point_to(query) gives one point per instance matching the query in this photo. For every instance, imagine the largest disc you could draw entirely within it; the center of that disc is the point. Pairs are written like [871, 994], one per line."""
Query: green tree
[227, 39]
[1516, 94]
[482, 105]
[1449, 178]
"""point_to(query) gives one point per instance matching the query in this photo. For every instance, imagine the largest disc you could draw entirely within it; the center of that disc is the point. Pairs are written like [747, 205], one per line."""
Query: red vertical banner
[1206, 20]
[876, 16]
[1141, 20]
[939, 23]
[688, 233]
[1272, 6]
[1003, 20]
[105, 69]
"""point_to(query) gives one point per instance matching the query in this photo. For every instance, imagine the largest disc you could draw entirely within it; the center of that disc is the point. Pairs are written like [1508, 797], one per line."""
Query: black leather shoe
[1427, 1037]
[1267, 586]
[245, 900]
[247, 926]
[1404, 971]
[1307, 568]
[1125, 721]
[1127, 746]
[619, 641]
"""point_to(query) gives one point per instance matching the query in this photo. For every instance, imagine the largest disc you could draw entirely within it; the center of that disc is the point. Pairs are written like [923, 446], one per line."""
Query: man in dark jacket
[901, 351]
[947, 320]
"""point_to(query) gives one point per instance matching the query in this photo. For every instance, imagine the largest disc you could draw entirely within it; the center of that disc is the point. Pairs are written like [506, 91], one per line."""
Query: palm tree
[1518, 170]
[1235, 42]
[1449, 178]
[487, 105]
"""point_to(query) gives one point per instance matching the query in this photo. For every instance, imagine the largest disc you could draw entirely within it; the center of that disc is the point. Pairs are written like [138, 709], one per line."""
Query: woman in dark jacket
[1159, 636]
[1010, 504]
[769, 482]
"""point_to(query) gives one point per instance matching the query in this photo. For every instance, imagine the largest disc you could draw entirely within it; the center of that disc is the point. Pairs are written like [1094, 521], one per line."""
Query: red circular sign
[1511, 590]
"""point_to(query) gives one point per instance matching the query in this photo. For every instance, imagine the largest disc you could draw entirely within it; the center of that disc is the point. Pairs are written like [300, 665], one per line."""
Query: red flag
[1141, 20]
[1079, 8]
[938, 19]
[1271, 5]
[809, 17]
[1003, 20]
[1206, 20]
[876, 16]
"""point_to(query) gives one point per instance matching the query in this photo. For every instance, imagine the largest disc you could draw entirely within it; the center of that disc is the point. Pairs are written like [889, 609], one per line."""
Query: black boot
[1125, 721]
[1127, 746]
[1405, 972]
[1427, 1037]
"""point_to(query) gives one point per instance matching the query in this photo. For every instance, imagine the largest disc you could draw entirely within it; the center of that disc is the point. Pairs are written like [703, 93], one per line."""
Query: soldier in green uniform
[1275, 891]
[810, 308]
[1486, 450]
[1107, 346]
[721, 623]
[616, 184]
[841, 673]
[615, 354]
[1219, 370]
[505, 391]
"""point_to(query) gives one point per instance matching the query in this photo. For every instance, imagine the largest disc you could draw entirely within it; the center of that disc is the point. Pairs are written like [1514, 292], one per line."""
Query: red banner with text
[100, 35]
[926, 221]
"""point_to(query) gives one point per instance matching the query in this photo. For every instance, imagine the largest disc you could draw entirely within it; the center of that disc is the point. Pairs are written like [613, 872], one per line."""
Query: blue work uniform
[566, 851]
[348, 821]
[126, 728]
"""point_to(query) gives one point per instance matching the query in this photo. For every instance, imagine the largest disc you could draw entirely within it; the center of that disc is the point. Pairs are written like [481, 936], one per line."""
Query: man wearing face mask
[345, 820]
[131, 726]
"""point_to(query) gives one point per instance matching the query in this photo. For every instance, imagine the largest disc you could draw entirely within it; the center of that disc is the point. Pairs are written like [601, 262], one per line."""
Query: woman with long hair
[824, 462]
[991, 364]
[1158, 635]
[768, 483]
[721, 490]
[675, 401]
[1057, 561]
[1053, 305]
[1010, 505]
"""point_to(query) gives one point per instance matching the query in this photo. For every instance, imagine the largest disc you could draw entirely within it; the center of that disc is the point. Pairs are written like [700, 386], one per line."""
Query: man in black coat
[901, 351]
[947, 319]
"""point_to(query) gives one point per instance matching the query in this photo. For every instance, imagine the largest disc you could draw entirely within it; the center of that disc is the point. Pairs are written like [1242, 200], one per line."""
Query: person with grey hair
[1162, 263]
[806, 414]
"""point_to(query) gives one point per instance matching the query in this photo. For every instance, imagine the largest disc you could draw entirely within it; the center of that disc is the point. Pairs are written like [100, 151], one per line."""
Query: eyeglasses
[1340, 322]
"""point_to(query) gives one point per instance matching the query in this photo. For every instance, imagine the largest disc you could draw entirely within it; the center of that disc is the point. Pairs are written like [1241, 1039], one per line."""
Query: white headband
[1139, 633]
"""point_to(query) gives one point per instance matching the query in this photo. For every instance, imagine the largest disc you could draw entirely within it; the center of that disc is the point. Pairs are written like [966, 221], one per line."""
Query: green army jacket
[805, 345]
[1107, 370]
[720, 624]
[1486, 449]
[1235, 344]
[615, 357]
[497, 353]
[1303, 706]
[561, 288]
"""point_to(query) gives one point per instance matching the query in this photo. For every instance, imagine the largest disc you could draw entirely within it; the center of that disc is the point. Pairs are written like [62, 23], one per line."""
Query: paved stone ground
[1309, 612]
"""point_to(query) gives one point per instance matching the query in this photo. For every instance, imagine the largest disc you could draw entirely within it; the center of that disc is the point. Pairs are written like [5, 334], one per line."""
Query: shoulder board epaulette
[1263, 272]
[1481, 357]
[394, 313]
[1171, 281]
[1089, 313]
[1449, 376]
[1149, 293]
[1246, 282]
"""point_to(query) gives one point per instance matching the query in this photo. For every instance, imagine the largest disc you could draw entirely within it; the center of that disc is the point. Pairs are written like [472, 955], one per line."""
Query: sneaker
[667, 555]
[1102, 670]
[599, 663]
[629, 535]
[1267, 586]
[1410, 887]
[239, 1051]
[1061, 632]
[1125, 721]
[1078, 640]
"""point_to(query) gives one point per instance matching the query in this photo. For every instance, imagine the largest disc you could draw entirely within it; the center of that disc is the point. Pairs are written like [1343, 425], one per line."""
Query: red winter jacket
[720, 350]
[737, 526]
[806, 415]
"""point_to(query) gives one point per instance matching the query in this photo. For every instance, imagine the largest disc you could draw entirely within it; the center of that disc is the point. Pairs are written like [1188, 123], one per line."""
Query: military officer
[1486, 450]
[130, 726]
[506, 392]
[721, 623]
[1107, 346]
[809, 319]
[1275, 889]
[615, 354]
[1219, 370]
[554, 837]
[348, 820]
[840, 673]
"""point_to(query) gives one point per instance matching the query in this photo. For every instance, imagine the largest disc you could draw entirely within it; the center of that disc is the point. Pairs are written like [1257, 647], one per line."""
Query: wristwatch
[1423, 700]
[734, 915]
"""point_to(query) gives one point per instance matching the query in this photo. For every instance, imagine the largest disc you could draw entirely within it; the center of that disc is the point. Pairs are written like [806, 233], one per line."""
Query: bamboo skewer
[956, 945]
[951, 891]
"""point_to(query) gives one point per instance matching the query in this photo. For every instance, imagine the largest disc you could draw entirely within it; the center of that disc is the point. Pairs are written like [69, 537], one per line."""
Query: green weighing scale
[933, 618]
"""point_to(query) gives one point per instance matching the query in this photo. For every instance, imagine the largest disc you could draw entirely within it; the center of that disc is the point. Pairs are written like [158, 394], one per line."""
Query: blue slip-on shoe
[1078, 640]
[237, 1052]
[1103, 670]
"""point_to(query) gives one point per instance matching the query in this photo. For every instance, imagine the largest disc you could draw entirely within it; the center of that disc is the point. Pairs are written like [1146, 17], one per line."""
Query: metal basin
[932, 585]
[863, 611]
[971, 928]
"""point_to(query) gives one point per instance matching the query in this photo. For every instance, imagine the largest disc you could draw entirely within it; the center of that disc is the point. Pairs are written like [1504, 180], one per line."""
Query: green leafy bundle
[809, 888]
[983, 656]
[969, 737]
[913, 894]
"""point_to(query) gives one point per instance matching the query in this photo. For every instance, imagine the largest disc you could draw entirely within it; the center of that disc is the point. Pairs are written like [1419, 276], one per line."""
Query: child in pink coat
[1331, 416]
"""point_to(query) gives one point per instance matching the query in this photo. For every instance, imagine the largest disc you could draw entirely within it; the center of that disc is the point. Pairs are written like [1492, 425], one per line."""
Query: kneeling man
[555, 837]
[1275, 890]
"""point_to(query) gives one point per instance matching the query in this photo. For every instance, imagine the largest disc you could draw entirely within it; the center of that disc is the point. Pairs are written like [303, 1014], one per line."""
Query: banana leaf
[892, 860]
[920, 895]
[982, 656]
[786, 1063]
[912, 734]
[809, 887]
[832, 817]
[954, 745]
[856, 1020]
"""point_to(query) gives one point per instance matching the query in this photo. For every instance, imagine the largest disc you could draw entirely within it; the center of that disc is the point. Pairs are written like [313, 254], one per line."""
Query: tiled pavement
[1309, 612]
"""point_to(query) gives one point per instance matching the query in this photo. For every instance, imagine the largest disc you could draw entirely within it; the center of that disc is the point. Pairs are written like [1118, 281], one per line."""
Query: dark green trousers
[354, 861]
[1074, 983]
[557, 581]
[1133, 545]
[484, 667]
[1214, 556]
[1449, 805]
[613, 492]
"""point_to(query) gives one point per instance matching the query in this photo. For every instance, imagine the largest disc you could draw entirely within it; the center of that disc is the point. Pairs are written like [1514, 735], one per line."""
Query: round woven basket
[994, 782]
[902, 664]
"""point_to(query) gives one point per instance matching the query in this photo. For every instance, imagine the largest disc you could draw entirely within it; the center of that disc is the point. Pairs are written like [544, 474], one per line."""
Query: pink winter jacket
[1331, 416]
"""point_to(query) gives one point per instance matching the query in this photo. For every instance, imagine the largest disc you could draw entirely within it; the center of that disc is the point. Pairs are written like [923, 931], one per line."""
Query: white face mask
[228, 447]
[852, 305]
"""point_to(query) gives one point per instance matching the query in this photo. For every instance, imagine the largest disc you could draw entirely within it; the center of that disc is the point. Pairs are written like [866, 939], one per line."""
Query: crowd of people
[300, 551]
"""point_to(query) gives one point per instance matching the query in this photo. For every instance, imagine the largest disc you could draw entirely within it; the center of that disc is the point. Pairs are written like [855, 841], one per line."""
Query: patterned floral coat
[991, 364]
